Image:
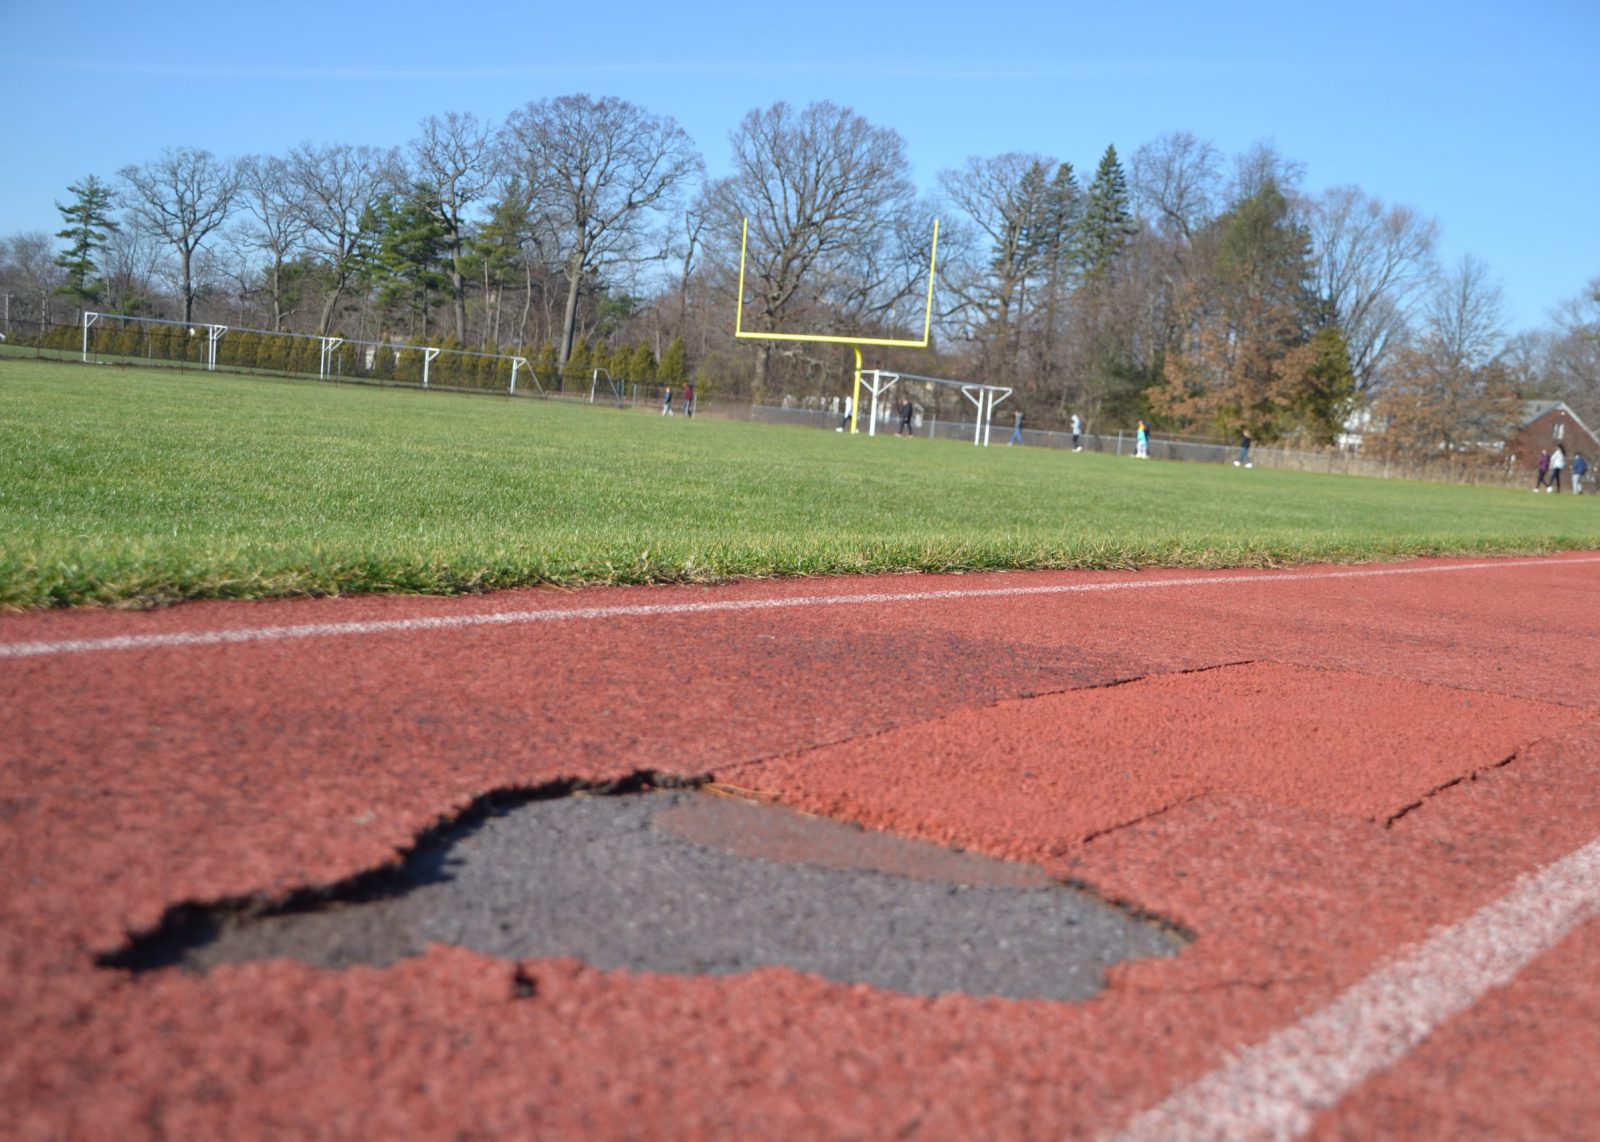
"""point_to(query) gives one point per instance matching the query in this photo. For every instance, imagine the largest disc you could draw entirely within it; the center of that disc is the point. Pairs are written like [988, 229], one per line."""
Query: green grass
[138, 487]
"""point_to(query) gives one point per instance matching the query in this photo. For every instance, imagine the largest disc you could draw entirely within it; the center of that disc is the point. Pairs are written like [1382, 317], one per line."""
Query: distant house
[1545, 424]
[1355, 428]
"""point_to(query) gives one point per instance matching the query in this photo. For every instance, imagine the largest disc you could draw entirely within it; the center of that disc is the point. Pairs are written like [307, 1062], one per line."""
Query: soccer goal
[984, 397]
[111, 337]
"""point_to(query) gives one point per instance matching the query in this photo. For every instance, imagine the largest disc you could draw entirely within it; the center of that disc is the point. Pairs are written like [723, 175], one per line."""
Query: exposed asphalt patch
[686, 882]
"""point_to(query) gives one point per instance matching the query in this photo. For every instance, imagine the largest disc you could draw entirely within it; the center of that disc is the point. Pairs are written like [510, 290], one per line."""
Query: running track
[1370, 793]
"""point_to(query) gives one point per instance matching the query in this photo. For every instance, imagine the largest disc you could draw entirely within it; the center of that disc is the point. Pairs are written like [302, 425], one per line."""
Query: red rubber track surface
[1311, 771]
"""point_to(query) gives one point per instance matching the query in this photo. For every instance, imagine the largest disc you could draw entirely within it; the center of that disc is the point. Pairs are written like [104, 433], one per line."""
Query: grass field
[137, 487]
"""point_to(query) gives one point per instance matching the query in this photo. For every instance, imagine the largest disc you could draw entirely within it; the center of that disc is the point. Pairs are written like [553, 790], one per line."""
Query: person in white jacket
[1558, 461]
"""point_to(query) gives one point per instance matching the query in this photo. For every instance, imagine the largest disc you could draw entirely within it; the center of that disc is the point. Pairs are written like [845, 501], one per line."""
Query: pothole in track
[687, 882]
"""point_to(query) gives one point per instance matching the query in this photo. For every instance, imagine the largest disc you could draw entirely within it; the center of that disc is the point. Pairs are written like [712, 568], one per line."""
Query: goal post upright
[855, 343]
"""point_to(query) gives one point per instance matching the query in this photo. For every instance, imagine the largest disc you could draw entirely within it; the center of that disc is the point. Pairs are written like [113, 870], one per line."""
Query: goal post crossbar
[856, 343]
[837, 338]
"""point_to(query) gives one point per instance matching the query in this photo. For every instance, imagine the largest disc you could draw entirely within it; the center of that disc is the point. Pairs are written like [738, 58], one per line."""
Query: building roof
[1532, 410]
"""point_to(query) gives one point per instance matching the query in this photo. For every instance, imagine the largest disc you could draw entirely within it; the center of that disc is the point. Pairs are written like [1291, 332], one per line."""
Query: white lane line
[1276, 1089]
[650, 610]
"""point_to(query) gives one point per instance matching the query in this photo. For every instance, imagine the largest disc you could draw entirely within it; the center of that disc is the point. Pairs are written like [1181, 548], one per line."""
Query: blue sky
[1486, 116]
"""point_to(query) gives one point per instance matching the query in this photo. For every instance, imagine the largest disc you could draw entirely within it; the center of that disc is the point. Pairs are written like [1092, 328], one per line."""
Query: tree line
[1204, 292]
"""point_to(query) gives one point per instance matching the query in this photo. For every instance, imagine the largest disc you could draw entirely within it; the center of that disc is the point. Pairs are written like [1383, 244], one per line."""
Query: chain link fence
[168, 345]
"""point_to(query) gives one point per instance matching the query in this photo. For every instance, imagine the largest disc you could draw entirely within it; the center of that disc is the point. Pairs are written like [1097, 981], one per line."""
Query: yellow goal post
[855, 343]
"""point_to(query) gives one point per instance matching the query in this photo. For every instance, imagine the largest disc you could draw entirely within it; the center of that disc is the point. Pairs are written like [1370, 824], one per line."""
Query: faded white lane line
[1276, 1088]
[652, 610]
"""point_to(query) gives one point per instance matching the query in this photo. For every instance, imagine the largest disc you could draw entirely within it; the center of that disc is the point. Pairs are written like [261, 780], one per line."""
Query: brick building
[1545, 424]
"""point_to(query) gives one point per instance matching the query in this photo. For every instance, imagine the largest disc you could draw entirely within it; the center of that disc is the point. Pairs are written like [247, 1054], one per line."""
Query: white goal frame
[327, 353]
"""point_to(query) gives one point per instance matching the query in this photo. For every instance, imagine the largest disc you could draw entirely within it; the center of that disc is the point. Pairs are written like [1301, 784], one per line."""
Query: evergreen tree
[404, 258]
[348, 362]
[383, 362]
[489, 367]
[408, 366]
[578, 365]
[642, 364]
[1329, 390]
[545, 368]
[89, 227]
[674, 367]
[1108, 224]
[246, 346]
[129, 342]
[162, 346]
[273, 354]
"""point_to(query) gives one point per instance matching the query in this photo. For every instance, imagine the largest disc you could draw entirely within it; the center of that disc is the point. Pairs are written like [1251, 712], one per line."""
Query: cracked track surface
[134, 780]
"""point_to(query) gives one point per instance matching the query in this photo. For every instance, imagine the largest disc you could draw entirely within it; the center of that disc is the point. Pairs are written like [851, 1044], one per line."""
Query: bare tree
[1466, 314]
[183, 197]
[276, 204]
[340, 185]
[456, 158]
[688, 245]
[1260, 166]
[1373, 263]
[822, 188]
[29, 275]
[1177, 180]
[601, 171]
[1573, 367]
[132, 268]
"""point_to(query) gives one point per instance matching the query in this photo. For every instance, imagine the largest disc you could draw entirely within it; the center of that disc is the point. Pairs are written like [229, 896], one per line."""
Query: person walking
[907, 413]
[1558, 461]
[1142, 442]
[1016, 428]
[688, 399]
[1544, 471]
[1580, 469]
[666, 401]
[1244, 451]
[1077, 433]
[845, 423]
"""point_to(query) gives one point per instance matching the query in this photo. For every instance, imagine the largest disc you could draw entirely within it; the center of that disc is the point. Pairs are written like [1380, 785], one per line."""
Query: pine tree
[383, 362]
[89, 226]
[404, 262]
[1108, 224]
[129, 342]
[408, 367]
[273, 355]
[578, 365]
[245, 347]
[446, 367]
[305, 356]
[642, 364]
[162, 346]
[1329, 389]
[489, 367]
[348, 362]
[674, 367]
[544, 366]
